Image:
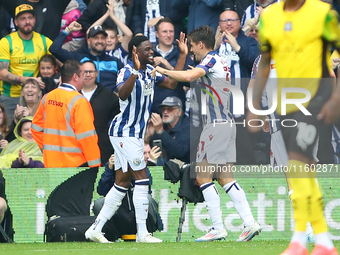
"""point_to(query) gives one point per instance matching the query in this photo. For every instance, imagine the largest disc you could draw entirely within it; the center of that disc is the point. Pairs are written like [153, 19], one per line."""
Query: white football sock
[112, 202]
[241, 204]
[324, 239]
[141, 203]
[213, 203]
[299, 236]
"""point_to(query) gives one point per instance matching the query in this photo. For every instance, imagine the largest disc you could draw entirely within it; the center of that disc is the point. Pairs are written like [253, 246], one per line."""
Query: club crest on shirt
[288, 26]
[137, 161]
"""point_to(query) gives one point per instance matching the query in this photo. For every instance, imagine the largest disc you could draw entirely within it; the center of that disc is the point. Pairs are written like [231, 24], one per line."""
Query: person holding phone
[171, 131]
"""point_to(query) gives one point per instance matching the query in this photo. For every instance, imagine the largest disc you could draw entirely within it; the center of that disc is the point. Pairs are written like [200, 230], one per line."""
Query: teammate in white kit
[278, 149]
[136, 89]
[217, 141]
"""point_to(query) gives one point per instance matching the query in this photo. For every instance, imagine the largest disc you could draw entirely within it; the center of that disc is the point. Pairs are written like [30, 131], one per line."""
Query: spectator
[173, 129]
[24, 142]
[146, 14]
[16, 66]
[75, 40]
[63, 124]
[105, 105]
[120, 52]
[49, 13]
[254, 10]
[201, 12]
[151, 155]
[28, 104]
[29, 99]
[166, 55]
[3, 127]
[240, 52]
[48, 71]
[106, 65]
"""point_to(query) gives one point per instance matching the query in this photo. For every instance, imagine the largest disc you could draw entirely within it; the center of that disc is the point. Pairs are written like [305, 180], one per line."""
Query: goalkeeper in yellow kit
[298, 34]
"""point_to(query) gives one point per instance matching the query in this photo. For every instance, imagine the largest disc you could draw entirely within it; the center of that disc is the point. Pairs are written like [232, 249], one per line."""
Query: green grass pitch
[166, 248]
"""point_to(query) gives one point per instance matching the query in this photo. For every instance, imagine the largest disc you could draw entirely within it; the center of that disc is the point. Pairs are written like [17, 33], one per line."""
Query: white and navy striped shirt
[152, 11]
[135, 110]
[250, 12]
[119, 53]
[267, 95]
[217, 74]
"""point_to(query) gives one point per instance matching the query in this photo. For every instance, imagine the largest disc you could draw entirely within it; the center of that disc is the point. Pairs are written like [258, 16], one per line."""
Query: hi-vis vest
[63, 128]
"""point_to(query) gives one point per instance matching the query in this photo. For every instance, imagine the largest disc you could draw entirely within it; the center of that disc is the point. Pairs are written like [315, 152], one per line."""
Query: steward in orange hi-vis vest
[63, 128]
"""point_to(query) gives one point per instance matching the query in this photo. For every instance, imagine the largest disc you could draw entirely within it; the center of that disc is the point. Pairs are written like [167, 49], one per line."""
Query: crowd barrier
[28, 189]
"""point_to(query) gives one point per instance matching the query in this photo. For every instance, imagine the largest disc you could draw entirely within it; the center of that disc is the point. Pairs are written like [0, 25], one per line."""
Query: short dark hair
[136, 41]
[204, 34]
[49, 58]
[69, 68]
[166, 19]
[89, 61]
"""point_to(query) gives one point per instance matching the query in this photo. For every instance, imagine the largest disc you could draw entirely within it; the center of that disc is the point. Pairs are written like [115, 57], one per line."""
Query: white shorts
[278, 148]
[217, 144]
[128, 151]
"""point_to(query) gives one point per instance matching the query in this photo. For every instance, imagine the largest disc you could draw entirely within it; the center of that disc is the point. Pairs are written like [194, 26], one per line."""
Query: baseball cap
[95, 30]
[23, 8]
[171, 101]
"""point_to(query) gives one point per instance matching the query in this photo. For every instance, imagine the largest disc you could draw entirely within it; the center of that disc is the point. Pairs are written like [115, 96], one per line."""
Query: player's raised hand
[135, 59]
[182, 44]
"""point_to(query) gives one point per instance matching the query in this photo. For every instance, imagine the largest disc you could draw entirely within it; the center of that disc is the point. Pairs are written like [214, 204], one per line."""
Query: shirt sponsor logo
[29, 60]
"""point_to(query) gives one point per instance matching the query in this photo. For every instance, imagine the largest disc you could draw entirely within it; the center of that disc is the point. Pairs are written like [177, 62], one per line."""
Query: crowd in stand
[38, 37]
[161, 21]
